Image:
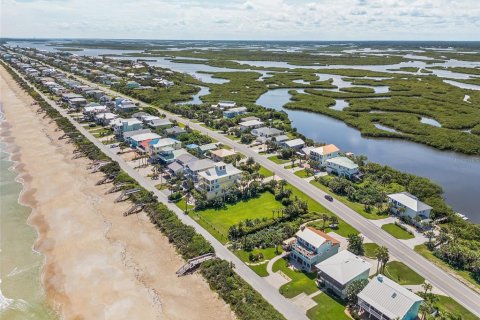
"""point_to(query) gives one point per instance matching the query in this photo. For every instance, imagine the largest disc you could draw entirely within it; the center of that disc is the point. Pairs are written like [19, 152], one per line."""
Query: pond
[382, 127]
[458, 174]
[196, 98]
[339, 105]
[430, 121]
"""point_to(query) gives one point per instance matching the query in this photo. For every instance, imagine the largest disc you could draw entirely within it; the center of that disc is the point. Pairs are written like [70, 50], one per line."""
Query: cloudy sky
[243, 19]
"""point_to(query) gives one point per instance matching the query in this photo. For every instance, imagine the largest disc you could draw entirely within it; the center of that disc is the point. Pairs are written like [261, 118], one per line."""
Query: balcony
[309, 254]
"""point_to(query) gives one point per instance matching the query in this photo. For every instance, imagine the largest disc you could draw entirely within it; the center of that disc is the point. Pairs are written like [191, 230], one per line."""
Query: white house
[342, 166]
[251, 124]
[338, 271]
[296, 144]
[225, 105]
[105, 118]
[266, 132]
[323, 153]
[214, 181]
[407, 204]
[126, 125]
[162, 144]
[312, 246]
[385, 299]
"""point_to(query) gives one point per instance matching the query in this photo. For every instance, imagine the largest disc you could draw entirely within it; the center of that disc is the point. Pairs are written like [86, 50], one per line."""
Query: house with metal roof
[385, 299]
[406, 204]
[215, 181]
[192, 169]
[323, 153]
[251, 124]
[342, 167]
[296, 144]
[338, 271]
[311, 247]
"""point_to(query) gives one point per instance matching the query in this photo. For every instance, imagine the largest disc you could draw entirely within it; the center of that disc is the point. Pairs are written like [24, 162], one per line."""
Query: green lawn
[181, 203]
[397, 232]
[427, 254]
[265, 172]
[260, 269]
[291, 167]
[301, 281]
[222, 219]
[301, 173]
[400, 273]
[276, 159]
[327, 308]
[370, 249]
[358, 207]
[447, 304]
[344, 229]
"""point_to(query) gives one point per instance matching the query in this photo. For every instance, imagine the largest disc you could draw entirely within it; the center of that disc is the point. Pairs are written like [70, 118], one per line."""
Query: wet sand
[99, 264]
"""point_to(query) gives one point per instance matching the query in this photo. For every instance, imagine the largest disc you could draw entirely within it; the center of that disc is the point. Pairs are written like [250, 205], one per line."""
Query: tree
[334, 221]
[427, 286]
[354, 288]
[325, 219]
[355, 244]
[382, 256]
[430, 235]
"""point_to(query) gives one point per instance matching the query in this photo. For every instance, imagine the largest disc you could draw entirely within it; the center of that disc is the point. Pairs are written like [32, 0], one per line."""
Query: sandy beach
[98, 264]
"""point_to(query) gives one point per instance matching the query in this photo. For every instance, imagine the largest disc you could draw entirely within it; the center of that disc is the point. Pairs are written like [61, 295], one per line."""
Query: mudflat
[98, 264]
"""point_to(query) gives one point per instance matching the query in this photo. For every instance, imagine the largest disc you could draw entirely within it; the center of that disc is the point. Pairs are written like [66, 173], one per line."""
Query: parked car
[329, 197]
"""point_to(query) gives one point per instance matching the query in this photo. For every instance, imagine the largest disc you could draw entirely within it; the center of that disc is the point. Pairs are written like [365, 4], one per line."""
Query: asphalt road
[436, 276]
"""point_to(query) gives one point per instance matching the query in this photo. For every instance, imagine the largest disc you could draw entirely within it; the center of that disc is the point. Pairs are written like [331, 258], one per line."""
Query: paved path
[436, 276]
[271, 294]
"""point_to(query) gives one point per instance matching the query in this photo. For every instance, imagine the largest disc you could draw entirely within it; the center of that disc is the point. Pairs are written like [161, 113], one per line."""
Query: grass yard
[465, 275]
[447, 304]
[397, 232]
[327, 308]
[301, 174]
[265, 172]
[291, 167]
[277, 160]
[301, 281]
[222, 219]
[400, 273]
[370, 249]
[260, 269]
[358, 207]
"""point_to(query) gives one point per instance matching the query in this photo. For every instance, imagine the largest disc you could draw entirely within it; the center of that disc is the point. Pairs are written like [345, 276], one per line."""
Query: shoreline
[145, 285]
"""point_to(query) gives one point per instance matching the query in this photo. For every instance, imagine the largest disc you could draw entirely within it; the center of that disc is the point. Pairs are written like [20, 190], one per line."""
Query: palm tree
[334, 220]
[430, 235]
[427, 286]
[382, 257]
[282, 183]
[325, 218]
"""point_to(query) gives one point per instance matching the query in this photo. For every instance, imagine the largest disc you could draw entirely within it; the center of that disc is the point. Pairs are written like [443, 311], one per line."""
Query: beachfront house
[323, 153]
[136, 140]
[216, 181]
[385, 299]
[179, 164]
[338, 271]
[165, 144]
[406, 204]
[342, 167]
[105, 119]
[192, 169]
[312, 246]
[126, 125]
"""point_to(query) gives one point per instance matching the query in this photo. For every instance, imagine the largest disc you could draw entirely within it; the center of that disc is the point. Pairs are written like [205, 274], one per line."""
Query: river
[459, 175]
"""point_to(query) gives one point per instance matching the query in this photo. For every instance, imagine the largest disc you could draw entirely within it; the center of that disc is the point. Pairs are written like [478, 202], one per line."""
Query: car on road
[329, 197]
[114, 146]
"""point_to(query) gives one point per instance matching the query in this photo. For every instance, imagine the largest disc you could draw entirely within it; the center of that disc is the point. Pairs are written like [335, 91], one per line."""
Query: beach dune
[99, 264]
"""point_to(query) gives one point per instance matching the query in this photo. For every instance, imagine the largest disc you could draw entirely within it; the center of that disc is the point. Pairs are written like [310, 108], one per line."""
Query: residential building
[174, 132]
[221, 154]
[136, 140]
[233, 112]
[323, 153]
[129, 134]
[105, 118]
[296, 144]
[133, 85]
[192, 169]
[266, 132]
[215, 181]
[127, 125]
[251, 124]
[338, 271]
[406, 204]
[159, 123]
[342, 166]
[385, 299]
[165, 144]
[169, 155]
[225, 105]
[179, 164]
[312, 246]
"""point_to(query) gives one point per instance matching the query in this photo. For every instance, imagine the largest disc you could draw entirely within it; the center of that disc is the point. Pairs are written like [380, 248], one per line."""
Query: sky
[242, 19]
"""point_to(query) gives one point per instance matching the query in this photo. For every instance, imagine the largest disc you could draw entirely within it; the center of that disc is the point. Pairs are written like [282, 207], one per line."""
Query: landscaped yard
[358, 207]
[397, 232]
[400, 273]
[447, 304]
[301, 281]
[423, 250]
[370, 249]
[222, 219]
[327, 308]
[276, 159]
[260, 269]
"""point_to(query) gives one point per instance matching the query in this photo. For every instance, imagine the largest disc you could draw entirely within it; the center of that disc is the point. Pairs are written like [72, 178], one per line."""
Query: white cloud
[243, 19]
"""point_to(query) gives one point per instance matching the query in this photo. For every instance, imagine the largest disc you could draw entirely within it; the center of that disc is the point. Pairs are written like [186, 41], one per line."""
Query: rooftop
[315, 237]
[343, 162]
[327, 149]
[251, 123]
[344, 266]
[409, 201]
[388, 297]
